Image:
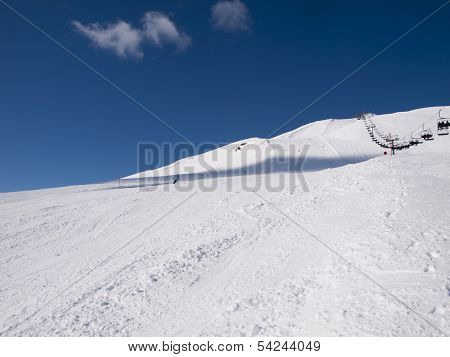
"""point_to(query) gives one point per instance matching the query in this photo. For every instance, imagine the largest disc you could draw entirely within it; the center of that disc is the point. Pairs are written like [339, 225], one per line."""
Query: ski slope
[320, 145]
[364, 251]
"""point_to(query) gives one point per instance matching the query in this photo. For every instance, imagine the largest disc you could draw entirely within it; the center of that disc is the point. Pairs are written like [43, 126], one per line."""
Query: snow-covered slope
[364, 251]
[325, 144]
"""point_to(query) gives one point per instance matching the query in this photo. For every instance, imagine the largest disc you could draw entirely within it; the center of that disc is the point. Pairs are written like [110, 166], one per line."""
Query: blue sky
[217, 71]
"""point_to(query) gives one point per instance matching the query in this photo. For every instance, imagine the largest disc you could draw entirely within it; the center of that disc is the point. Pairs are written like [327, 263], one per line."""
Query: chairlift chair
[443, 125]
[405, 143]
[415, 141]
[442, 132]
[426, 134]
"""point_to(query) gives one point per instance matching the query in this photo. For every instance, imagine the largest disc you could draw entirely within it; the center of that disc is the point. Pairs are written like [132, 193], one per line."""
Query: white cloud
[121, 38]
[127, 41]
[159, 30]
[231, 16]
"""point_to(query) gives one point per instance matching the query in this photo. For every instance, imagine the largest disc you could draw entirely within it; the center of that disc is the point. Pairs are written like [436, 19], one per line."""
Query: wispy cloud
[159, 30]
[121, 38]
[127, 41]
[231, 16]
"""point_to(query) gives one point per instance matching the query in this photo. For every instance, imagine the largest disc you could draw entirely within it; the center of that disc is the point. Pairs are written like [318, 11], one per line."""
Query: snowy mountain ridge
[331, 143]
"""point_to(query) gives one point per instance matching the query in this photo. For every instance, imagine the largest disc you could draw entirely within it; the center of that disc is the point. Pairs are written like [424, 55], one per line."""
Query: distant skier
[177, 178]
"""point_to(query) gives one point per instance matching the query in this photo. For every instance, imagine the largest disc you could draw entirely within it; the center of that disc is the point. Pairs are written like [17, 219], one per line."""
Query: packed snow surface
[358, 245]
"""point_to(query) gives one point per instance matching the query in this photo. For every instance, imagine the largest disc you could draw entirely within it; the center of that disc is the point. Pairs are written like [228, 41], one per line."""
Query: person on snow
[177, 178]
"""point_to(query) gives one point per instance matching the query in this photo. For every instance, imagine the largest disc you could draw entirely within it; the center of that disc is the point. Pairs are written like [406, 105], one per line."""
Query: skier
[177, 178]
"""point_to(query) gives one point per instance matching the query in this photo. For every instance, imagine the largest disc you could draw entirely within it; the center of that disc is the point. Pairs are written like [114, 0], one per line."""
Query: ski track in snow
[226, 263]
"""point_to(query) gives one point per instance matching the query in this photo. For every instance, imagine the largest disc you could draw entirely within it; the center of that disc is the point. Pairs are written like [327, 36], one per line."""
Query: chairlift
[426, 134]
[391, 138]
[443, 125]
[405, 143]
[415, 141]
[361, 116]
[442, 132]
